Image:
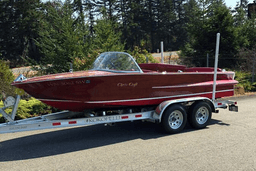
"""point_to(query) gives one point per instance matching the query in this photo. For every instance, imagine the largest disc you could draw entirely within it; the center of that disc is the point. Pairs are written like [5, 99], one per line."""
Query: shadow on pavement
[80, 138]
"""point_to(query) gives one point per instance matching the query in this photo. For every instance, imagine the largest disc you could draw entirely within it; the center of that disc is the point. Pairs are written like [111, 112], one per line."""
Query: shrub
[244, 79]
[29, 108]
[140, 55]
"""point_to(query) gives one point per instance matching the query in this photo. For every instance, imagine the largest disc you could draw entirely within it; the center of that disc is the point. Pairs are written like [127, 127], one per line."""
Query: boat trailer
[172, 114]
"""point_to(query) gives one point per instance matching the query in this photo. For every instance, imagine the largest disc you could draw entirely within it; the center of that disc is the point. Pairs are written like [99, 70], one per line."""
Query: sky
[232, 3]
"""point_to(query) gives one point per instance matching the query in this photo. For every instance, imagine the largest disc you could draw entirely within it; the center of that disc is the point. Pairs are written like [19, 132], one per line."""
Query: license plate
[233, 108]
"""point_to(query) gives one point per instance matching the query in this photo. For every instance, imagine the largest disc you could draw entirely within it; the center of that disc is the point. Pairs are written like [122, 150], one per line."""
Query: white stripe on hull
[153, 98]
[191, 85]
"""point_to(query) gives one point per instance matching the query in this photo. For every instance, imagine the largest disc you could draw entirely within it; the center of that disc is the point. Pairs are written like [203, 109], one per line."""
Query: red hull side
[80, 106]
[94, 89]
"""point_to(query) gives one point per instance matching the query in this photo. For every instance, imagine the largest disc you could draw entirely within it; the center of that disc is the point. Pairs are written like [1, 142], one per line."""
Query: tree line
[53, 34]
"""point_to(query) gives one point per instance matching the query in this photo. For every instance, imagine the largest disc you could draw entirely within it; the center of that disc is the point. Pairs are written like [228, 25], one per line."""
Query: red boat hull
[79, 91]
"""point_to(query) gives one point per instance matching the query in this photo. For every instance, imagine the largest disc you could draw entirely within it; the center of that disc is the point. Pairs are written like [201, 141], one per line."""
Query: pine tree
[6, 77]
[203, 30]
[62, 40]
[106, 37]
[18, 27]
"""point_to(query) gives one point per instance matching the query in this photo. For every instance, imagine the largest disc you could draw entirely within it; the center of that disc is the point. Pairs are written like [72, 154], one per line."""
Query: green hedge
[244, 79]
[29, 108]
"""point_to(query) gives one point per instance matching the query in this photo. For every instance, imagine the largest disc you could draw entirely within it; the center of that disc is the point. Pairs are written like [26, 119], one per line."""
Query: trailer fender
[158, 113]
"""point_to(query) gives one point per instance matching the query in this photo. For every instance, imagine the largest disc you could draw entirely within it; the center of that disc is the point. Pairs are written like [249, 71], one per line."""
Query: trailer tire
[174, 119]
[199, 115]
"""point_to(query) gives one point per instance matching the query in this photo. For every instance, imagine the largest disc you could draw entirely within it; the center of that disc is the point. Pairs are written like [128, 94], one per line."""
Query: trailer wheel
[174, 119]
[200, 115]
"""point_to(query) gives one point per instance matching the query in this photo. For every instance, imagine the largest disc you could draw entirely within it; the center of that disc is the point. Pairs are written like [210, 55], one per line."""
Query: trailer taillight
[56, 124]
[72, 122]
[125, 117]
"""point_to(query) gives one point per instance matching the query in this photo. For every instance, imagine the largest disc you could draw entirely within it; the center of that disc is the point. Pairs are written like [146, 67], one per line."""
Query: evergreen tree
[241, 23]
[79, 10]
[249, 33]
[62, 40]
[6, 77]
[203, 36]
[106, 38]
[131, 26]
[18, 27]
[222, 22]
[91, 11]
[180, 22]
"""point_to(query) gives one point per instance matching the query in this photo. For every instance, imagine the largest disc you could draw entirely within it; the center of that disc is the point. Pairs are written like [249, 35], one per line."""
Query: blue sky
[232, 3]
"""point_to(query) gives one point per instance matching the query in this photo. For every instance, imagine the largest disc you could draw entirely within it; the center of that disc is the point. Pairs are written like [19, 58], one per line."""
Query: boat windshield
[116, 62]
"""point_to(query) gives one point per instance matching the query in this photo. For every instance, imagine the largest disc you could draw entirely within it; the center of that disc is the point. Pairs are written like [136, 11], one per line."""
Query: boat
[116, 81]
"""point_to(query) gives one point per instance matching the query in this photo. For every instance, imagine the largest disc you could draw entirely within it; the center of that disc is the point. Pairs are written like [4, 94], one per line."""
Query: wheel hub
[202, 115]
[175, 119]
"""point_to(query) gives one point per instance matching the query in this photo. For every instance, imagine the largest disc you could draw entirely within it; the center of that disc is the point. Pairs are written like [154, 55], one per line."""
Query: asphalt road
[228, 143]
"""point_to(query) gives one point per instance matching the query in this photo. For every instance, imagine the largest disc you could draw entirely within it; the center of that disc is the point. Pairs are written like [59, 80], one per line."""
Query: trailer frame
[71, 119]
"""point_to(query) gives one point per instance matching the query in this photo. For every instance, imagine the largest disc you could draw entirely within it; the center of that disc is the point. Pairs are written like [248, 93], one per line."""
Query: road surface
[228, 143]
